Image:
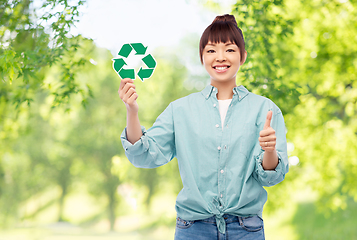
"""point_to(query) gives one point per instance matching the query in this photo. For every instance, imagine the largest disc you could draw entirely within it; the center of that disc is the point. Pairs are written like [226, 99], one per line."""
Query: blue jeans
[242, 228]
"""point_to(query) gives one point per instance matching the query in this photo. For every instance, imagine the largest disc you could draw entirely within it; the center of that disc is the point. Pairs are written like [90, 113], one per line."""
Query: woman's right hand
[128, 94]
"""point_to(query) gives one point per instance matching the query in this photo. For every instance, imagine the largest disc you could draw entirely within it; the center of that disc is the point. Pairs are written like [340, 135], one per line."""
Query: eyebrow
[227, 44]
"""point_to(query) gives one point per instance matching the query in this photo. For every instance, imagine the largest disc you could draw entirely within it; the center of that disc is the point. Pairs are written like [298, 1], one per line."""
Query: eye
[230, 50]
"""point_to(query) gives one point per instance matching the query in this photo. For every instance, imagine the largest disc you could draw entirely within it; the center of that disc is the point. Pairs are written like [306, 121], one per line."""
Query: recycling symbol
[143, 73]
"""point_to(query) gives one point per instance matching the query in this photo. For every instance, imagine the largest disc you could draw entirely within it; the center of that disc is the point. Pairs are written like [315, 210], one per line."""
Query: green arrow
[139, 48]
[149, 61]
[118, 63]
[125, 50]
[145, 73]
[127, 73]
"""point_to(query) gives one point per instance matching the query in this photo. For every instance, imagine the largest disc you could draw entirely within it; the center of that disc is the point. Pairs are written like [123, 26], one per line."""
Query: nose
[220, 56]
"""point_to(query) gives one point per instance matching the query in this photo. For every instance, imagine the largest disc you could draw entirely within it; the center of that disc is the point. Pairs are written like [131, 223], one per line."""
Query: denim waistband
[227, 218]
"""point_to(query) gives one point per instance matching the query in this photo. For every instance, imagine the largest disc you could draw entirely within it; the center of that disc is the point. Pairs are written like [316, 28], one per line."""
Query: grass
[67, 231]
[299, 221]
[309, 223]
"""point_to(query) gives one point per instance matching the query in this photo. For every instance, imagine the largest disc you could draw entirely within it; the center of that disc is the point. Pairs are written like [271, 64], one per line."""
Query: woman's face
[222, 61]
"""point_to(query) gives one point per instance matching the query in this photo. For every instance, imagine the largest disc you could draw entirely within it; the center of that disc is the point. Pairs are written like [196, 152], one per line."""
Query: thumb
[268, 120]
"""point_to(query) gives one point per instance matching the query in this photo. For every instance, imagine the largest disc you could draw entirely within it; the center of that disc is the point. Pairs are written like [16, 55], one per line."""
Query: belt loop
[240, 221]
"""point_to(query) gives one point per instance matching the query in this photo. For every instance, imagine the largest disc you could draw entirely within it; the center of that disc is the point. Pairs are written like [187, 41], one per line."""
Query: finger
[267, 132]
[268, 120]
[123, 88]
[132, 98]
[122, 83]
[270, 144]
[126, 88]
[267, 138]
[125, 81]
[128, 94]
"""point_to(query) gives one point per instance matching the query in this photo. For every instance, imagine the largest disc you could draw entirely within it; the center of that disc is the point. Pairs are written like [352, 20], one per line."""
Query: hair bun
[225, 18]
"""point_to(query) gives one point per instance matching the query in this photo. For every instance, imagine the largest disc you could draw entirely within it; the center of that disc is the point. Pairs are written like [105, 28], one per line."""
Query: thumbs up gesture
[267, 138]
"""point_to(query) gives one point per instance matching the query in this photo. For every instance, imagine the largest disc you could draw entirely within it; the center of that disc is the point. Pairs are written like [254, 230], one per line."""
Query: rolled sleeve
[156, 146]
[269, 177]
[139, 147]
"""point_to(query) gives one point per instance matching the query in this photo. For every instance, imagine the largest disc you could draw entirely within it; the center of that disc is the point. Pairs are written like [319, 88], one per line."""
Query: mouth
[221, 68]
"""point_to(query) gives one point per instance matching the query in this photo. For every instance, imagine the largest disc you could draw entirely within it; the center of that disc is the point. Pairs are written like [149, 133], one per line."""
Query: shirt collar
[207, 91]
[241, 91]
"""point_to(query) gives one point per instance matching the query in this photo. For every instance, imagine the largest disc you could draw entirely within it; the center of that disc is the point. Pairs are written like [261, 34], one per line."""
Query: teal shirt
[220, 168]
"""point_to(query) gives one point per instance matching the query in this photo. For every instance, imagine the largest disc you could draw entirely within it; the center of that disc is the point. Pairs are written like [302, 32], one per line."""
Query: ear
[242, 60]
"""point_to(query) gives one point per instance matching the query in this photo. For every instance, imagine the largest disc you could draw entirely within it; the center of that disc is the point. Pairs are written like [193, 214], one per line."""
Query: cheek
[208, 68]
[206, 64]
[204, 59]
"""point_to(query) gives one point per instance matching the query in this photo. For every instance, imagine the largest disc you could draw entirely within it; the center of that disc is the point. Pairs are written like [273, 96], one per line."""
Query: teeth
[221, 68]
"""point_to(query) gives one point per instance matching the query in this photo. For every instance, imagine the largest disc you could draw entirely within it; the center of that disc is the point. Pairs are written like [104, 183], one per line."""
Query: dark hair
[223, 29]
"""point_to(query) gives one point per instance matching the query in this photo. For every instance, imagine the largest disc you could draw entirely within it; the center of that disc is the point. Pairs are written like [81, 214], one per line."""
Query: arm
[128, 94]
[156, 146]
[271, 158]
[146, 149]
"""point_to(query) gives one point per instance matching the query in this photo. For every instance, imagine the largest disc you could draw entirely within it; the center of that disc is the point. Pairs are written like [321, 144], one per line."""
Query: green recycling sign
[143, 73]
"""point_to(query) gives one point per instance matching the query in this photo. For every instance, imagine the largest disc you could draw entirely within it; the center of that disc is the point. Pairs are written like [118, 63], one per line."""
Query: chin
[218, 80]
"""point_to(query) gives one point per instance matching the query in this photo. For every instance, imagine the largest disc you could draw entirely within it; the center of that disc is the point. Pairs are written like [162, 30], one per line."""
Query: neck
[225, 89]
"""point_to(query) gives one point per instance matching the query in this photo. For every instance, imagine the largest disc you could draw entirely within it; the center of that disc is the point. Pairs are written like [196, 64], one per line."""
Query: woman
[229, 143]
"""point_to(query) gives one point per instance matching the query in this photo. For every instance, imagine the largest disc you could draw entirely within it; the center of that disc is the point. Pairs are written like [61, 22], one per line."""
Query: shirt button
[214, 105]
[225, 146]
[222, 171]
[214, 89]
[217, 125]
[219, 148]
[221, 195]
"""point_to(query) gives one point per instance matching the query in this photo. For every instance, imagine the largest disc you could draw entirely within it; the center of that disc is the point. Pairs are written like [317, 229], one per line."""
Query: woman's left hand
[267, 137]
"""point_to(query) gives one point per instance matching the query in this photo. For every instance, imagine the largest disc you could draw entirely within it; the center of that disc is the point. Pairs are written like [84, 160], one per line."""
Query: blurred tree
[96, 136]
[39, 155]
[40, 134]
[323, 126]
[266, 27]
[34, 37]
[303, 60]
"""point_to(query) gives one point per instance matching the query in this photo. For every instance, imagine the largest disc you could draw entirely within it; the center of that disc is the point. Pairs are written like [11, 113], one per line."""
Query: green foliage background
[61, 158]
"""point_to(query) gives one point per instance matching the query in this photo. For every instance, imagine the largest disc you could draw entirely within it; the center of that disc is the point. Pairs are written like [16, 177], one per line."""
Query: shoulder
[263, 103]
[190, 99]
[185, 103]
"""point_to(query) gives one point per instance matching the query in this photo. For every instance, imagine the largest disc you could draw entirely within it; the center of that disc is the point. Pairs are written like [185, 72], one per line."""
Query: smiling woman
[229, 144]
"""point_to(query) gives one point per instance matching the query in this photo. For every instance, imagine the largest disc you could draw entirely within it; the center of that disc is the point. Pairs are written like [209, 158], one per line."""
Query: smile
[221, 69]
